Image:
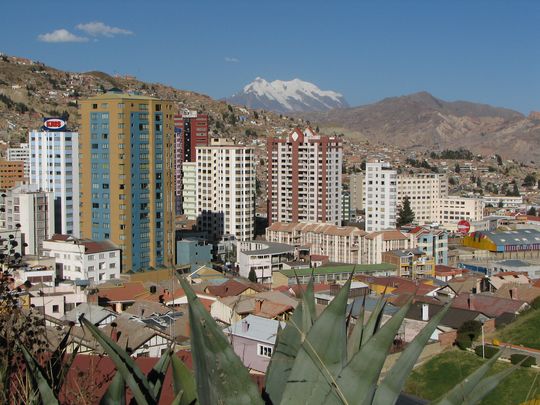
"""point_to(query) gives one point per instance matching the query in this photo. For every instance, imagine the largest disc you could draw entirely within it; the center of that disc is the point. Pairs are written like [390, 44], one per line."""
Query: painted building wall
[127, 176]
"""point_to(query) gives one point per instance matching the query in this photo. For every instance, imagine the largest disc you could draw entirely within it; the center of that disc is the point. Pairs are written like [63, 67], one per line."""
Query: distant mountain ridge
[421, 120]
[287, 96]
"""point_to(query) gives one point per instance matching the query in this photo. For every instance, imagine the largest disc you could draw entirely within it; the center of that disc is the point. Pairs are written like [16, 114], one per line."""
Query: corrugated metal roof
[256, 328]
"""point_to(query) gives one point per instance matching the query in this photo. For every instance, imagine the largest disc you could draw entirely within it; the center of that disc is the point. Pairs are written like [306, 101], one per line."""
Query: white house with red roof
[84, 259]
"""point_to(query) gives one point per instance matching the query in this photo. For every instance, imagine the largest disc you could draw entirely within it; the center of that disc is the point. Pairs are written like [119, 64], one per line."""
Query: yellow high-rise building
[126, 176]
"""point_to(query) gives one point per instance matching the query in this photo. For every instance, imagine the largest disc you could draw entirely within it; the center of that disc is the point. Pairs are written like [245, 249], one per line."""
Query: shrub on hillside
[489, 351]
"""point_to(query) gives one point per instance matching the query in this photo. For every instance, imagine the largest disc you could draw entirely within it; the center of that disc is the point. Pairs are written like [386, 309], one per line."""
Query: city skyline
[477, 52]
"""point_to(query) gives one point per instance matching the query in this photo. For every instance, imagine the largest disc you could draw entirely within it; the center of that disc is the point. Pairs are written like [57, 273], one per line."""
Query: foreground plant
[324, 360]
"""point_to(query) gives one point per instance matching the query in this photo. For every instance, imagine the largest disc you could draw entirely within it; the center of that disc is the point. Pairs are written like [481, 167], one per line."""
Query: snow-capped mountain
[287, 96]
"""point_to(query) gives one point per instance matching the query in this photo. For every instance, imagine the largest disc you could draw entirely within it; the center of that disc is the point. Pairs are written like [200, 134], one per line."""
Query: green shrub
[489, 351]
[463, 342]
[516, 358]
[535, 304]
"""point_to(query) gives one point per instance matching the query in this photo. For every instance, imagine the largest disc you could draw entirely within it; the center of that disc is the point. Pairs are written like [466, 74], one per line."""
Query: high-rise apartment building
[380, 189]
[22, 153]
[127, 176]
[356, 187]
[304, 178]
[424, 191]
[30, 210]
[226, 190]
[54, 166]
[190, 131]
[189, 190]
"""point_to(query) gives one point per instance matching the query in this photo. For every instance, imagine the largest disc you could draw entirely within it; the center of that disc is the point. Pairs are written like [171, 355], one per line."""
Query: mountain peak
[287, 96]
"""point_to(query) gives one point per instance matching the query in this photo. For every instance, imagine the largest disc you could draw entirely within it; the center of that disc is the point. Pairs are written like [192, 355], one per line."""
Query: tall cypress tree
[405, 213]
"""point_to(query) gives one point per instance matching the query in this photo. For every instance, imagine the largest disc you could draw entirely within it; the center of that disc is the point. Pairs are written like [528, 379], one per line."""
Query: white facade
[189, 189]
[54, 166]
[226, 189]
[503, 201]
[424, 191]
[83, 259]
[344, 244]
[304, 178]
[31, 211]
[22, 153]
[450, 210]
[262, 257]
[56, 301]
[380, 189]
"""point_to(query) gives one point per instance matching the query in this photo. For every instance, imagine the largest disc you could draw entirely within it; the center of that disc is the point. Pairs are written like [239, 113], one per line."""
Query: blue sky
[485, 51]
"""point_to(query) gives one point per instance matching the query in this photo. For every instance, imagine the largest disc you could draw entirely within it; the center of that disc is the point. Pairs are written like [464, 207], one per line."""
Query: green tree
[530, 180]
[405, 213]
[532, 211]
[456, 168]
[252, 276]
[499, 160]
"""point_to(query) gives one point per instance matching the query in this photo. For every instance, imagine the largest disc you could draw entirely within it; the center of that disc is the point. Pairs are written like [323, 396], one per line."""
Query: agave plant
[316, 360]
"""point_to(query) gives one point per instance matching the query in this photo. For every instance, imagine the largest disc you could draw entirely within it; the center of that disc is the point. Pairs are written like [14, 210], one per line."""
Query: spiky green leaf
[131, 373]
[116, 392]
[178, 399]
[389, 389]
[461, 391]
[358, 379]
[355, 338]
[45, 390]
[184, 384]
[157, 374]
[488, 384]
[321, 356]
[374, 320]
[288, 343]
[221, 377]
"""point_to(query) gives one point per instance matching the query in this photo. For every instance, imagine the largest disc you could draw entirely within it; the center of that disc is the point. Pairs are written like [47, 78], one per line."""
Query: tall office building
[226, 190]
[304, 178]
[22, 153]
[190, 131]
[30, 210]
[54, 166]
[127, 176]
[380, 189]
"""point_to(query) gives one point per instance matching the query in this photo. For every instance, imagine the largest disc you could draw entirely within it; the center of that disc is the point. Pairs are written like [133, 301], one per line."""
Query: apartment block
[345, 244]
[20, 154]
[11, 174]
[127, 176]
[424, 191]
[84, 259]
[380, 189]
[190, 131]
[30, 210]
[304, 178]
[54, 167]
[452, 209]
[189, 190]
[356, 188]
[226, 190]
[434, 242]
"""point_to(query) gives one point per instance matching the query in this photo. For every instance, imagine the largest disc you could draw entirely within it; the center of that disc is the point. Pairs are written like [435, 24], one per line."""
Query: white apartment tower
[304, 178]
[22, 153]
[226, 189]
[380, 190]
[30, 210]
[54, 166]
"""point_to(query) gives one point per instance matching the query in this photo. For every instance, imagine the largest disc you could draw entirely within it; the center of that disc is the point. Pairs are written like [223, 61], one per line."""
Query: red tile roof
[124, 292]
[489, 305]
